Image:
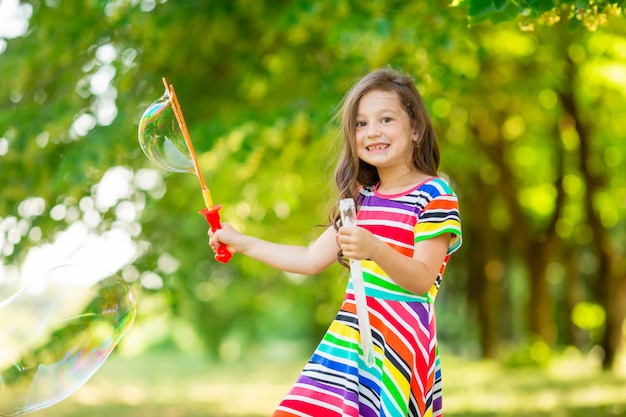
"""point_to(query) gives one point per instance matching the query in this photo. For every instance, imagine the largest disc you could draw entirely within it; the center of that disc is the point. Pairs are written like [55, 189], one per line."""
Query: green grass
[178, 385]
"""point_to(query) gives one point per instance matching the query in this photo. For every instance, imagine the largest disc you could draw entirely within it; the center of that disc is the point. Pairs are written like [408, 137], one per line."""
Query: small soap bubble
[57, 332]
[161, 139]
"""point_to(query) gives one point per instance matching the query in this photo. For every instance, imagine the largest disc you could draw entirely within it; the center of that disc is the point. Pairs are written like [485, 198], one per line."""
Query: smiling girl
[408, 225]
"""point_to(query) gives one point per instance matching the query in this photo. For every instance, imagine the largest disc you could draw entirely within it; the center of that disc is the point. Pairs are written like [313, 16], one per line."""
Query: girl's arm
[416, 274]
[289, 258]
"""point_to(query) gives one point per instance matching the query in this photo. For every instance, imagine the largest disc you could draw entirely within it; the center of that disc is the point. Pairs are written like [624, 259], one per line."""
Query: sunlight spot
[31, 207]
[243, 209]
[114, 186]
[548, 99]
[513, 127]
[128, 56]
[58, 212]
[588, 262]
[570, 139]
[130, 274]
[588, 315]
[572, 184]
[613, 73]
[609, 217]
[148, 179]
[539, 199]
[441, 107]
[167, 263]
[14, 18]
[35, 234]
[151, 280]
[281, 209]
[456, 133]
[92, 218]
[126, 211]
[42, 139]
[526, 156]
[4, 146]
[82, 125]
[577, 53]
[101, 79]
[104, 107]
[147, 5]
[292, 182]
[511, 43]
[106, 53]
[555, 272]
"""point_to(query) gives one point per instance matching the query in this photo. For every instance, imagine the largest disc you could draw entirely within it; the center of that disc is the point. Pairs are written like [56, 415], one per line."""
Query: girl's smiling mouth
[377, 147]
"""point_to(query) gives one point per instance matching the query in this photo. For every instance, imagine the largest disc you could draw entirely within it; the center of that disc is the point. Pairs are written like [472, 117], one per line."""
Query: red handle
[212, 216]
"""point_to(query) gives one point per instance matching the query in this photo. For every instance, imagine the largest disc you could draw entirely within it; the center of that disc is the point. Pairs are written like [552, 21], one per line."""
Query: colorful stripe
[406, 377]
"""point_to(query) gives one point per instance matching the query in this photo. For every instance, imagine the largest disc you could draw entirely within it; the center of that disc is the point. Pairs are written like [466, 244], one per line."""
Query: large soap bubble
[161, 138]
[56, 333]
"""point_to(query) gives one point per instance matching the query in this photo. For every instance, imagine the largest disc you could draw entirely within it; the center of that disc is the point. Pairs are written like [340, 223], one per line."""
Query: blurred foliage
[529, 125]
[590, 14]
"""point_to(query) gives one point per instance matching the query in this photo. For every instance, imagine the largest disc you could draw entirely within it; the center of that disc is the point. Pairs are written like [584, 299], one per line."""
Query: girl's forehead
[380, 94]
[380, 98]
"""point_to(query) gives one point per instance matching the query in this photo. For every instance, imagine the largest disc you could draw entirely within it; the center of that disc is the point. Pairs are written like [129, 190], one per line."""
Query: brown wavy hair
[351, 173]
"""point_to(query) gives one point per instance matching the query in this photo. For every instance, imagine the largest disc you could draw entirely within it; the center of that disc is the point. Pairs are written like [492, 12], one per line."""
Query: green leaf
[509, 12]
[541, 6]
[478, 8]
[495, 10]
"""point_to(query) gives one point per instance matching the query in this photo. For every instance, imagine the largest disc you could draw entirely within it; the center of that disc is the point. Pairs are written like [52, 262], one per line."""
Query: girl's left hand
[358, 243]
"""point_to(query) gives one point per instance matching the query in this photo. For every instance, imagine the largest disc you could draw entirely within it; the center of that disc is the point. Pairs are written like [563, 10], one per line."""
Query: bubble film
[161, 139]
[57, 332]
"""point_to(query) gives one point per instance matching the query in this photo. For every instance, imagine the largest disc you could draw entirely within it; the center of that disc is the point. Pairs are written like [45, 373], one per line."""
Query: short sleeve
[440, 215]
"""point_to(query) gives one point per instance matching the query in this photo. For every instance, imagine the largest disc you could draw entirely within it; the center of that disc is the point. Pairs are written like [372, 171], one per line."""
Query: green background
[527, 98]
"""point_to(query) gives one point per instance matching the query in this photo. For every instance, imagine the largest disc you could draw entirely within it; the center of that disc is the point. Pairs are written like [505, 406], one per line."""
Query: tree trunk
[483, 289]
[538, 248]
[610, 276]
[574, 335]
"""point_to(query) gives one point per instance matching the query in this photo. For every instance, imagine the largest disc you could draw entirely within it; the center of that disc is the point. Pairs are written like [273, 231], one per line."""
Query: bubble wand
[347, 212]
[160, 140]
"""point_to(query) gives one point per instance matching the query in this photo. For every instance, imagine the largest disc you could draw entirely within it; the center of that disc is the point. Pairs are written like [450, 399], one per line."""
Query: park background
[528, 100]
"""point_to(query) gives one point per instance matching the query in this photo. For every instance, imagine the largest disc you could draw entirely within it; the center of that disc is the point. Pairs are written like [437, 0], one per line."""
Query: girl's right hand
[228, 236]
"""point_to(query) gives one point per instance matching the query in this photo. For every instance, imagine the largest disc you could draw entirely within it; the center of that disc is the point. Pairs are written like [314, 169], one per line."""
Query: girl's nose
[373, 131]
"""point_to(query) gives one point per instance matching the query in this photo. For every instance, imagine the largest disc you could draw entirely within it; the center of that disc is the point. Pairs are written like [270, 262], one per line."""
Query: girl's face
[384, 135]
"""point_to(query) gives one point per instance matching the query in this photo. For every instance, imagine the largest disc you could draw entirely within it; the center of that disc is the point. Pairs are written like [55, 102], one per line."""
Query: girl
[408, 226]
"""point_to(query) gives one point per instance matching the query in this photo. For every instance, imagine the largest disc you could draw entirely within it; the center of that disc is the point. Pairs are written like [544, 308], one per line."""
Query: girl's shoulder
[436, 186]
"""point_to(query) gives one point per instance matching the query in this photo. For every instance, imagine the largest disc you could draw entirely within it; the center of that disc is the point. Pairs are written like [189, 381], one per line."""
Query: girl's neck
[393, 184]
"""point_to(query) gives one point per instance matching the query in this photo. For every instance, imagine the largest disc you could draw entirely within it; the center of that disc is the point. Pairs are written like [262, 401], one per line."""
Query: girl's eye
[385, 120]
[360, 123]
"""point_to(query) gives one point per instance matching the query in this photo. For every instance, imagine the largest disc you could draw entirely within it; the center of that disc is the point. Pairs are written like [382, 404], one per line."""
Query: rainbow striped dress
[406, 377]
